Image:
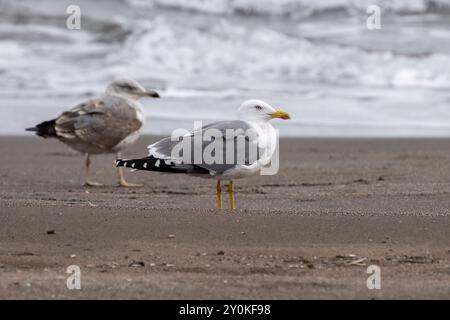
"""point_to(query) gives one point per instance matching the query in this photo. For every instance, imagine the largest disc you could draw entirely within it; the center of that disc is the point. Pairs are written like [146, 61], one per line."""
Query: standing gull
[105, 125]
[251, 132]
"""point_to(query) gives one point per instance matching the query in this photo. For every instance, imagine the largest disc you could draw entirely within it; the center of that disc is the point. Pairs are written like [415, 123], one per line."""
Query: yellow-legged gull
[105, 125]
[228, 149]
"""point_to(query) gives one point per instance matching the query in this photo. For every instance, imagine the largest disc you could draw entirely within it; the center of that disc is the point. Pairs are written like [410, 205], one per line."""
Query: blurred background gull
[316, 59]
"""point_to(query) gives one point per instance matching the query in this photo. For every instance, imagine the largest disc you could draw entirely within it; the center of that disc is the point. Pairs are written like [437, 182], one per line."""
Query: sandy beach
[336, 207]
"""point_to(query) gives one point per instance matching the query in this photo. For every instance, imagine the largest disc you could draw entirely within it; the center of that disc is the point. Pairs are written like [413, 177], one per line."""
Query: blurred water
[315, 59]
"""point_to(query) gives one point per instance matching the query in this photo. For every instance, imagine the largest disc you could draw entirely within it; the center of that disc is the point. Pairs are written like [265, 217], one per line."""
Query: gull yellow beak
[150, 93]
[280, 114]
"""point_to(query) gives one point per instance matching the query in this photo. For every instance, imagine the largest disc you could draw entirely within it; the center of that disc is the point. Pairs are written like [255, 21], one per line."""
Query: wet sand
[336, 207]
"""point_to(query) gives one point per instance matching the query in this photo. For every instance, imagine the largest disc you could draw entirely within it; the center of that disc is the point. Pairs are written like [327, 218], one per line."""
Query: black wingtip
[118, 163]
[45, 129]
[150, 164]
[125, 163]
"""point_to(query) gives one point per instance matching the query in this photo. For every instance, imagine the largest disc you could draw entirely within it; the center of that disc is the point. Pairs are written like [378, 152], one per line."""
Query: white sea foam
[204, 56]
[294, 8]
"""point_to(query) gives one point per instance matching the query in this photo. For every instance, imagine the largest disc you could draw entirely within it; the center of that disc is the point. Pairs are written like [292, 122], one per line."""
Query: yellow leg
[231, 192]
[219, 195]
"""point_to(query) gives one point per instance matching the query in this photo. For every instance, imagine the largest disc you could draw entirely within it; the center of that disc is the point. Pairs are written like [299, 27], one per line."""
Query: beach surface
[336, 207]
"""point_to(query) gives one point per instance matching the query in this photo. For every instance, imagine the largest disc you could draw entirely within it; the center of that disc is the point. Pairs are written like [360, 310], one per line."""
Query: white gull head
[257, 110]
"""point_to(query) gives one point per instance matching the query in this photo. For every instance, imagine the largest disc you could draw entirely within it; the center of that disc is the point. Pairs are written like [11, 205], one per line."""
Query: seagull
[228, 143]
[105, 125]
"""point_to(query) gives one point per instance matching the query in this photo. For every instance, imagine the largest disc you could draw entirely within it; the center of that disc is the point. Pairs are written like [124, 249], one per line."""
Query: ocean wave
[227, 50]
[293, 8]
[205, 57]
[224, 56]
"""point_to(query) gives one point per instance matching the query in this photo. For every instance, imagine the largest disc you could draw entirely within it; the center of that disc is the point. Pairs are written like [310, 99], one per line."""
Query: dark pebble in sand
[51, 232]
[220, 253]
[25, 254]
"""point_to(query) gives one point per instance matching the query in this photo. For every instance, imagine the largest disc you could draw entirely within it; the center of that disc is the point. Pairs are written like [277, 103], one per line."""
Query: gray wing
[213, 155]
[98, 124]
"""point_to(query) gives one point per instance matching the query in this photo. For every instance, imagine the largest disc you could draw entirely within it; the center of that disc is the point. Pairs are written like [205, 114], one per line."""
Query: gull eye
[127, 87]
[259, 108]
